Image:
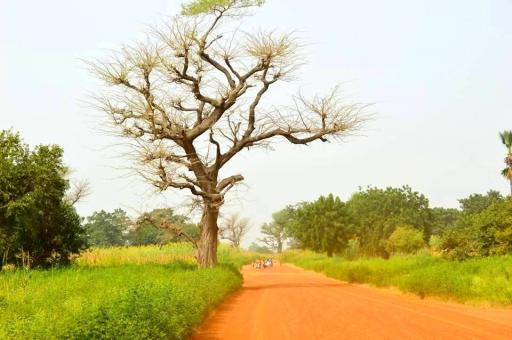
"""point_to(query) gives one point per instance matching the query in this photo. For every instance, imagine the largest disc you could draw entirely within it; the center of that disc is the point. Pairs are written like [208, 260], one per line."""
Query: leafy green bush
[486, 280]
[483, 233]
[405, 240]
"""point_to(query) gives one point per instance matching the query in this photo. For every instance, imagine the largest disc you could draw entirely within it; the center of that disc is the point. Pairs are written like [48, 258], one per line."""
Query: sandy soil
[286, 302]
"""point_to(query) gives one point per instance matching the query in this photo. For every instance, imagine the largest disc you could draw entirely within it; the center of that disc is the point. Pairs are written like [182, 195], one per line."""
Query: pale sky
[439, 73]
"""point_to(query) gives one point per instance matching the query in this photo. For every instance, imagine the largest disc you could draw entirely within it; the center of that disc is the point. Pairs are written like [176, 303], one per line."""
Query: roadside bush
[405, 240]
[483, 233]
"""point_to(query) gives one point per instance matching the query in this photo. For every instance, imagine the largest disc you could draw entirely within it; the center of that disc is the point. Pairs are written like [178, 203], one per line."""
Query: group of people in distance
[266, 263]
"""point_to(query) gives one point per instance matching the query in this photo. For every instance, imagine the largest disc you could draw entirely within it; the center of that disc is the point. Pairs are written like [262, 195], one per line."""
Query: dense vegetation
[485, 232]
[323, 225]
[483, 280]
[38, 226]
[119, 293]
[383, 222]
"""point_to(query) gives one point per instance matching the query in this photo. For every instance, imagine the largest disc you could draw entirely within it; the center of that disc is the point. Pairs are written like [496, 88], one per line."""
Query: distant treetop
[196, 7]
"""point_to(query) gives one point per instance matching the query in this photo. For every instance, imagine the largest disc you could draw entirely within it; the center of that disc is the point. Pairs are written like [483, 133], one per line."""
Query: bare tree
[189, 99]
[78, 191]
[234, 229]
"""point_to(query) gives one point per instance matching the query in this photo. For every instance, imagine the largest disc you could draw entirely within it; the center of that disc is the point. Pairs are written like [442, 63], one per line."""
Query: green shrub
[482, 231]
[405, 240]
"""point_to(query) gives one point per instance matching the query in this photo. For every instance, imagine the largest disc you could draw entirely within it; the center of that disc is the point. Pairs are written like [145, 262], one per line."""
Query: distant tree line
[159, 226]
[383, 222]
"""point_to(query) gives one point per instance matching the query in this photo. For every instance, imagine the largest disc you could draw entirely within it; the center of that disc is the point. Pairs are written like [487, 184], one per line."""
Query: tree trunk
[207, 245]
[279, 247]
[329, 253]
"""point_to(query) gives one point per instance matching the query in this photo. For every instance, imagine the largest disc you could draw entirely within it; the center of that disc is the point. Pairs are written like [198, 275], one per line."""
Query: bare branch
[229, 182]
[165, 224]
[79, 190]
[234, 228]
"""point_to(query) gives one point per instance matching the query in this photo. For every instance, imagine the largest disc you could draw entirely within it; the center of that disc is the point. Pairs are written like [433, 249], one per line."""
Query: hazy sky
[439, 73]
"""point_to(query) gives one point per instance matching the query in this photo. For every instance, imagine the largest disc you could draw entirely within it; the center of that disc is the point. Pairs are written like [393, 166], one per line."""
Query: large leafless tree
[233, 228]
[190, 97]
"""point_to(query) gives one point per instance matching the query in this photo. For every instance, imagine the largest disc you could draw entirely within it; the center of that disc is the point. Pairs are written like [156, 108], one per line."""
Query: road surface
[286, 302]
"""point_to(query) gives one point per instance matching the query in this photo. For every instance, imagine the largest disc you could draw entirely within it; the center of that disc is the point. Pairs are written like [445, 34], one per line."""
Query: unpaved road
[286, 302]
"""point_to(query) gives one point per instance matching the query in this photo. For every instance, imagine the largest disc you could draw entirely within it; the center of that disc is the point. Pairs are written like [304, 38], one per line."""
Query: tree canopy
[378, 212]
[211, 6]
[38, 227]
[443, 219]
[484, 228]
[323, 225]
[191, 97]
[107, 229]
[476, 203]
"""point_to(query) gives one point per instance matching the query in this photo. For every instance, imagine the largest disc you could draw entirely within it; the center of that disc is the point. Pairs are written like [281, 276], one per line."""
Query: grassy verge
[118, 293]
[486, 280]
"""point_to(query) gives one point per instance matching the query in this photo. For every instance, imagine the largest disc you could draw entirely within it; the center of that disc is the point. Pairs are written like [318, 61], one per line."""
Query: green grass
[485, 280]
[158, 295]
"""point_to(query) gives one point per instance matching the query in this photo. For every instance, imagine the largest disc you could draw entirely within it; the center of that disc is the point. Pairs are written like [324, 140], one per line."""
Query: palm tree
[506, 138]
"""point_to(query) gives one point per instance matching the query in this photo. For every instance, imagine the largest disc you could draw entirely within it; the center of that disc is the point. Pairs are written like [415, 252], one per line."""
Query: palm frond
[507, 173]
[506, 138]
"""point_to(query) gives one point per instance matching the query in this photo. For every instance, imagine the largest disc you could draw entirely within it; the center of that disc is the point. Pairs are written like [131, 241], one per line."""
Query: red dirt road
[286, 302]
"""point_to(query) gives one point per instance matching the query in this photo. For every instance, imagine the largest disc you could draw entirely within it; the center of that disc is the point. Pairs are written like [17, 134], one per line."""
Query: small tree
[234, 228]
[276, 232]
[323, 225]
[190, 98]
[506, 139]
[107, 229]
[405, 240]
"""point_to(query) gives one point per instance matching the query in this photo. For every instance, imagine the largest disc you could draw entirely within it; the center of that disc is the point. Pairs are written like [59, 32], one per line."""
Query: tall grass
[485, 280]
[153, 254]
[118, 293]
